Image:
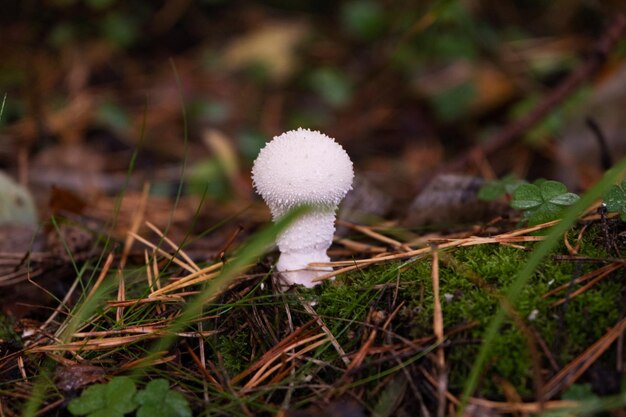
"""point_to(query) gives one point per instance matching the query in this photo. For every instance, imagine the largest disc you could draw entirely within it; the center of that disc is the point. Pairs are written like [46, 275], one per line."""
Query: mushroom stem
[305, 241]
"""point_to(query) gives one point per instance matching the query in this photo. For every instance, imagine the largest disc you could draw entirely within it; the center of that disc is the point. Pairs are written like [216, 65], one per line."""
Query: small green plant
[119, 397]
[615, 199]
[542, 201]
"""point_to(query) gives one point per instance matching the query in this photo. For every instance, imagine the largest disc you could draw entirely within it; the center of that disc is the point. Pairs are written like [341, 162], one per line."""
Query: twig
[128, 244]
[178, 250]
[606, 161]
[442, 379]
[309, 308]
[374, 234]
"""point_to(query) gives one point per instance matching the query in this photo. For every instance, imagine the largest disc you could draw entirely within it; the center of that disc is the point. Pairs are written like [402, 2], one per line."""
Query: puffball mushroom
[303, 167]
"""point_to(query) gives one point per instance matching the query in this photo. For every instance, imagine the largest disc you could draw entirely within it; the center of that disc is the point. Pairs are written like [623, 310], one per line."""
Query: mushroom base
[294, 267]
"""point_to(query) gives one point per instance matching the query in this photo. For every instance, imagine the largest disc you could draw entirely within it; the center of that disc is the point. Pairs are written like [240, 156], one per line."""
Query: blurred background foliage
[414, 82]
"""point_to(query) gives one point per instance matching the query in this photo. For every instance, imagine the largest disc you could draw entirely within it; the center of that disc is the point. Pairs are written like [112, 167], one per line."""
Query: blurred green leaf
[113, 399]
[113, 115]
[250, 142]
[492, 190]
[62, 34]
[212, 111]
[208, 177]
[258, 71]
[454, 102]
[332, 85]
[450, 45]
[364, 19]
[158, 400]
[579, 392]
[7, 331]
[99, 4]
[615, 199]
[119, 29]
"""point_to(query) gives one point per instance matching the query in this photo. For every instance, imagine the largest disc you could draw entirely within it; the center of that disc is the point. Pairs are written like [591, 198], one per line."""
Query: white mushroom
[303, 167]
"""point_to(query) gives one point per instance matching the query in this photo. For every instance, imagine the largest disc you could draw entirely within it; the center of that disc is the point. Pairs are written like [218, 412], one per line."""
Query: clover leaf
[113, 399]
[492, 190]
[158, 400]
[542, 201]
[615, 199]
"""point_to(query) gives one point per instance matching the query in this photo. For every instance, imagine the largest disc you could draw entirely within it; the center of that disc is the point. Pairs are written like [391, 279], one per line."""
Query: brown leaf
[71, 378]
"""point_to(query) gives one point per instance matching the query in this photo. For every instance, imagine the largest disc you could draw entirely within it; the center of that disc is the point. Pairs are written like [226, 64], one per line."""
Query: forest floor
[137, 263]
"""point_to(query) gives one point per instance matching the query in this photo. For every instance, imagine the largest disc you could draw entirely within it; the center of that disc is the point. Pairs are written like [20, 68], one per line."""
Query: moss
[7, 333]
[471, 280]
[234, 350]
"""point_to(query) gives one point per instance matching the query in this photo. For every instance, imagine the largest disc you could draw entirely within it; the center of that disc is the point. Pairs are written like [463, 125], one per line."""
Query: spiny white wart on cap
[303, 167]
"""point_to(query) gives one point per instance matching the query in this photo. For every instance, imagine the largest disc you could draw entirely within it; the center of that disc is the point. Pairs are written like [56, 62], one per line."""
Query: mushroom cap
[302, 167]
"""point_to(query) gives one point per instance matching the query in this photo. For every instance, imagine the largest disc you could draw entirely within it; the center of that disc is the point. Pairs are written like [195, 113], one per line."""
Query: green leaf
[119, 29]
[492, 190]
[544, 213]
[566, 199]
[120, 392]
[615, 199]
[511, 183]
[332, 85]
[250, 142]
[526, 196]
[113, 399]
[62, 34]
[208, 176]
[452, 103]
[158, 400]
[91, 400]
[364, 19]
[551, 189]
[113, 115]
[579, 392]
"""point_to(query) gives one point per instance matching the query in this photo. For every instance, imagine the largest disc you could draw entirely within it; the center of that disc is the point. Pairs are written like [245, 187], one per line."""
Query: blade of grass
[4, 99]
[590, 407]
[542, 250]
